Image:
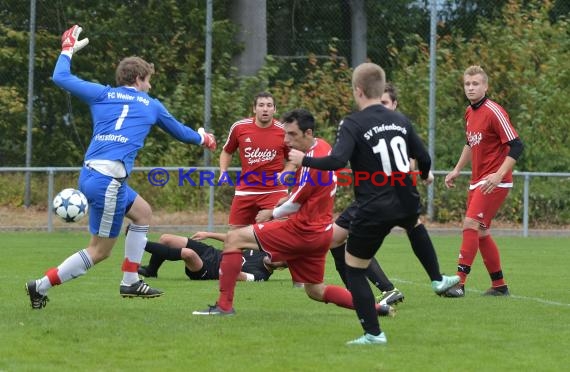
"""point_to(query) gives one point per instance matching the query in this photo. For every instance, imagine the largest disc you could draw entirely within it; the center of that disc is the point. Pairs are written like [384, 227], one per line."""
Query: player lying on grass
[202, 261]
[302, 240]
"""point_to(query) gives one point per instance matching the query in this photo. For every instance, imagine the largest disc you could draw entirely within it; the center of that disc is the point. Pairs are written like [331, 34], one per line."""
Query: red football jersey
[262, 154]
[488, 129]
[315, 190]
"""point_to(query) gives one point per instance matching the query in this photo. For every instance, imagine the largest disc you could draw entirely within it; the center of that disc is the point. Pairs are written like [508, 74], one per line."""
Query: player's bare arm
[463, 160]
[429, 179]
[225, 161]
[288, 172]
[202, 235]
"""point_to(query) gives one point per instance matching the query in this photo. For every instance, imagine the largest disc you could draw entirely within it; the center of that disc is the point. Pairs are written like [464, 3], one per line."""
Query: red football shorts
[245, 207]
[483, 208]
[304, 251]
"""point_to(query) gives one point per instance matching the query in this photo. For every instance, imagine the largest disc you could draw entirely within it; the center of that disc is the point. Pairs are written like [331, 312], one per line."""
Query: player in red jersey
[493, 147]
[262, 152]
[302, 240]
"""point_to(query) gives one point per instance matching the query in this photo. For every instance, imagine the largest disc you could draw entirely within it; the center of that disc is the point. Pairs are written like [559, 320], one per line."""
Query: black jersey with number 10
[379, 143]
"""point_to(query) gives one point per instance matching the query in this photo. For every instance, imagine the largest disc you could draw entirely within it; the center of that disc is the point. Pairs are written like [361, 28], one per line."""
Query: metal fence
[52, 171]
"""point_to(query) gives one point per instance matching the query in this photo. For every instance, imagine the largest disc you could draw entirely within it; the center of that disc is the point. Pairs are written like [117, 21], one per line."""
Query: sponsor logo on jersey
[474, 138]
[383, 128]
[111, 138]
[257, 155]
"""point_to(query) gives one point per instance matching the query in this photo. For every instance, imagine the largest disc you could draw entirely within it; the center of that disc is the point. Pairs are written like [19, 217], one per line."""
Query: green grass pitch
[87, 326]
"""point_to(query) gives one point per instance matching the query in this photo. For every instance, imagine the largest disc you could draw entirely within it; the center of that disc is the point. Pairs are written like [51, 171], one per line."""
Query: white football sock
[134, 250]
[74, 266]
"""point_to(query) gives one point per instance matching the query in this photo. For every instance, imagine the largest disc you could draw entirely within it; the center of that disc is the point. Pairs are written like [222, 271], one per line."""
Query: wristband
[249, 277]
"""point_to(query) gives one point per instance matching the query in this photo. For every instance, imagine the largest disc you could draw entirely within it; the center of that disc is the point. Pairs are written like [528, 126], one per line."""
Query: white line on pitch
[546, 302]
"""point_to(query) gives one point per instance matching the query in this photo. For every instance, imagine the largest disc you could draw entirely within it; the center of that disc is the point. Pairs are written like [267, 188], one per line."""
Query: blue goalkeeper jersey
[122, 117]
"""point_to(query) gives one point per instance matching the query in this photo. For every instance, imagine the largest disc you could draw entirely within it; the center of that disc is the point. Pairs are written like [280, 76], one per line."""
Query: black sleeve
[516, 148]
[419, 152]
[340, 154]
[324, 163]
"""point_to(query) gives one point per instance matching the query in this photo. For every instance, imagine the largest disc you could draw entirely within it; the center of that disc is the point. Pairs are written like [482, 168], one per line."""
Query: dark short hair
[392, 91]
[263, 95]
[305, 120]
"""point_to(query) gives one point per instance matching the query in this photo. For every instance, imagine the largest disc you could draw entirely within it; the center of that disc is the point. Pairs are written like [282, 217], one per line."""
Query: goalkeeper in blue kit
[122, 118]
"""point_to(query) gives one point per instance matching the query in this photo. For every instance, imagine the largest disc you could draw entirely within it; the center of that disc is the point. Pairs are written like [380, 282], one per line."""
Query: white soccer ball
[70, 205]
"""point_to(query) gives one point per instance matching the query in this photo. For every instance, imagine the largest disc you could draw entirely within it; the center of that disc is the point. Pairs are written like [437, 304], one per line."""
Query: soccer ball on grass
[70, 205]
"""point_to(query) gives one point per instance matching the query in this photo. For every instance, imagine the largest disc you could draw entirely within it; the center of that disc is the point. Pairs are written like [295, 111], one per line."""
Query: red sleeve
[303, 190]
[501, 122]
[232, 143]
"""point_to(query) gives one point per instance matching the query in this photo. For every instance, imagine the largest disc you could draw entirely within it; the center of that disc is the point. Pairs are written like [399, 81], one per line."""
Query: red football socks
[230, 267]
[492, 260]
[338, 296]
[467, 253]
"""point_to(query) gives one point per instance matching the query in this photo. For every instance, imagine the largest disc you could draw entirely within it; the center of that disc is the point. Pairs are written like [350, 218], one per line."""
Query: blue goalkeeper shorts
[107, 197]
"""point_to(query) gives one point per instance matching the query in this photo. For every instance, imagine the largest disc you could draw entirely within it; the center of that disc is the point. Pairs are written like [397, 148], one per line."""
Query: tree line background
[523, 45]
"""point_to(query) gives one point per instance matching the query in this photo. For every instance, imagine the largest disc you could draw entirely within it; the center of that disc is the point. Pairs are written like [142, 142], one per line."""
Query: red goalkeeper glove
[208, 139]
[70, 42]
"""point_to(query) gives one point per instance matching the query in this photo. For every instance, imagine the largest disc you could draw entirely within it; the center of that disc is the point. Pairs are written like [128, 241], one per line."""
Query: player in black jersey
[374, 273]
[202, 261]
[379, 143]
